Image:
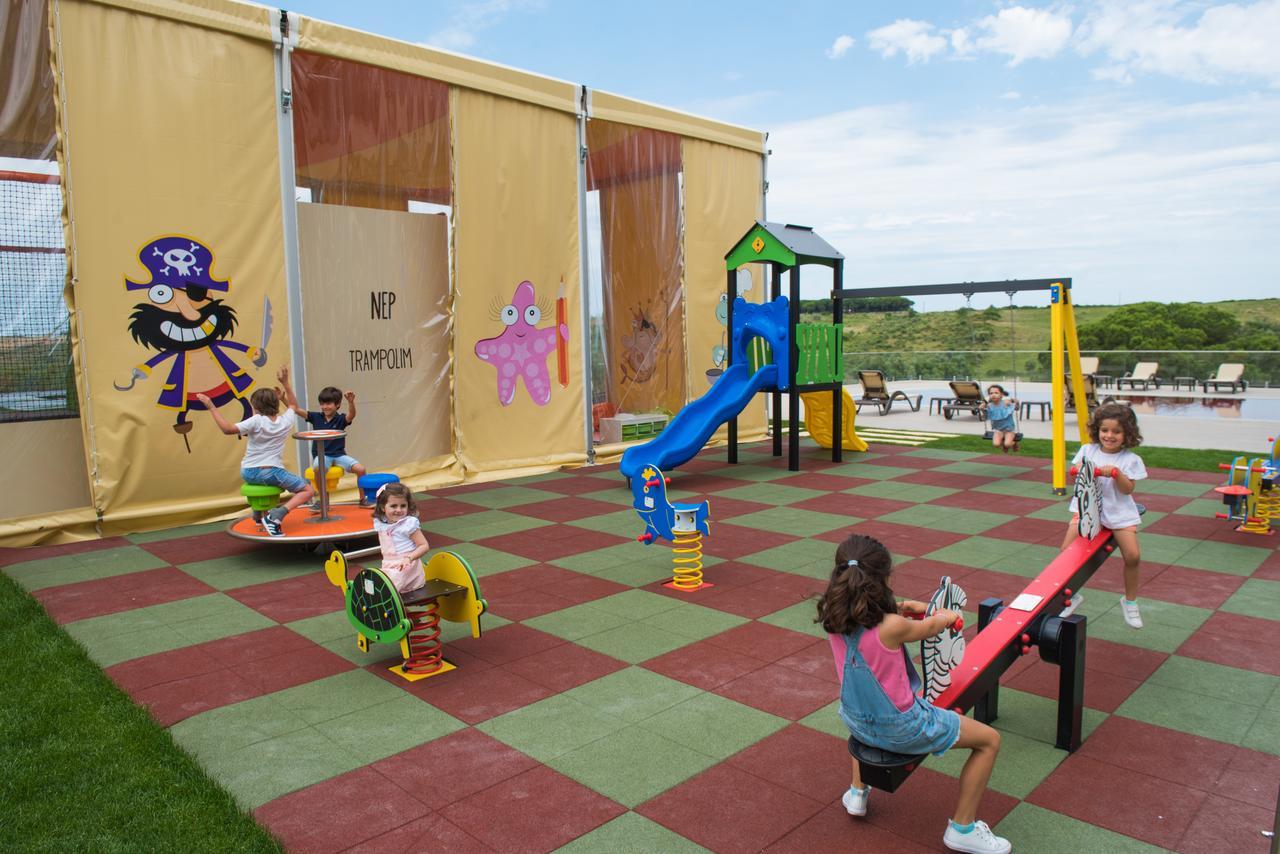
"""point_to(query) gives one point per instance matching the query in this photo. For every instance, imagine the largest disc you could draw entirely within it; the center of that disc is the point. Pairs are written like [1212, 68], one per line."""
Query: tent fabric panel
[334, 40]
[156, 148]
[46, 460]
[722, 198]
[28, 116]
[616, 108]
[241, 19]
[516, 249]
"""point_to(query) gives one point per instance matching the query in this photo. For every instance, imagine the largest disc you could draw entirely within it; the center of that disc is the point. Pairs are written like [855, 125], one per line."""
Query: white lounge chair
[1230, 374]
[1144, 373]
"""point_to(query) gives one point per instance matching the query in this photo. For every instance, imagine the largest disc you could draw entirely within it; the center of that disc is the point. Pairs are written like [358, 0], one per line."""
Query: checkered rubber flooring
[602, 712]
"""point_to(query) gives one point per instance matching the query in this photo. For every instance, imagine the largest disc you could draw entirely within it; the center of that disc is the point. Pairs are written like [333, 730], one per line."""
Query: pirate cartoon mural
[190, 330]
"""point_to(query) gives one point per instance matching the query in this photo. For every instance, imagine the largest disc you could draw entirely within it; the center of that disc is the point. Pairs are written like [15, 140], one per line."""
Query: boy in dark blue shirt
[327, 418]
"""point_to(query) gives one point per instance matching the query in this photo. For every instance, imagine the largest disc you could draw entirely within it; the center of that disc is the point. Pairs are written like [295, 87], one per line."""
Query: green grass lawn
[87, 770]
[1182, 459]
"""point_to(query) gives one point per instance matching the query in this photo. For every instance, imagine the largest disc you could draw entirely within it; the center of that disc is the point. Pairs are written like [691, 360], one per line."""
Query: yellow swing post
[1062, 327]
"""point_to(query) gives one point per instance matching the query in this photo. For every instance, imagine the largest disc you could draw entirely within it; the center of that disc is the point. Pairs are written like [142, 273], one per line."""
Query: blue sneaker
[273, 524]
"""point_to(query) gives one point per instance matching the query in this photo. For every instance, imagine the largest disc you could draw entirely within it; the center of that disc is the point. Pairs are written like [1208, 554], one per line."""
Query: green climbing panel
[821, 348]
[759, 353]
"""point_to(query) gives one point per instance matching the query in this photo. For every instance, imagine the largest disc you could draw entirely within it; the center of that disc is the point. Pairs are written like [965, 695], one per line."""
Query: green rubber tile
[389, 728]
[943, 454]
[1173, 487]
[1150, 518]
[634, 642]
[228, 573]
[87, 566]
[107, 651]
[551, 727]
[1021, 489]
[450, 631]
[1257, 597]
[991, 470]
[574, 622]
[612, 492]
[1204, 507]
[593, 563]
[792, 520]
[694, 622]
[1024, 762]
[176, 533]
[483, 560]
[630, 833]
[1210, 717]
[1162, 548]
[336, 696]
[1166, 626]
[265, 771]
[1036, 718]
[1228, 558]
[899, 491]
[534, 480]
[1058, 511]
[234, 621]
[327, 627]
[955, 520]
[1032, 828]
[813, 558]
[1264, 735]
[623, 523]
[755, 473]
[770, 493]
[502, 497]
[827, 719]
[632, 694]
[798, 617]
[713, 725]
[640, 574]
[1028, 562]
[635, 604]
[870, 472]
[481, 525]
[978, 552]
[632, 765]
[1215, 680]
[235, 727]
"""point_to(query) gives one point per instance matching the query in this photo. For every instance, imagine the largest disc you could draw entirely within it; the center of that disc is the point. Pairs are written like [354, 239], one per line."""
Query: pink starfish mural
[522, 348]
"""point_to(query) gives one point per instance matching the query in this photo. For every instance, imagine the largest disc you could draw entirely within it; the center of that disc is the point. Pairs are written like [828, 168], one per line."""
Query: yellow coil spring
[686, 573]
[1267, 507]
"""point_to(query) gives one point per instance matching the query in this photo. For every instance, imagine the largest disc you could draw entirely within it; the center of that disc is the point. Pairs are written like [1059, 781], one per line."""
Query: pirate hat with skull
[179, 262]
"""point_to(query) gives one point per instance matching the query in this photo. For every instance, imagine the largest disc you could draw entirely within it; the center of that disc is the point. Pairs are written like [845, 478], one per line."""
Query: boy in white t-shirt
[263, 461]
[1114, 430]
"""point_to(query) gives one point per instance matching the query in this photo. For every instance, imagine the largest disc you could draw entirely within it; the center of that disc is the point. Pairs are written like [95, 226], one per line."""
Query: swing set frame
[1063, 343]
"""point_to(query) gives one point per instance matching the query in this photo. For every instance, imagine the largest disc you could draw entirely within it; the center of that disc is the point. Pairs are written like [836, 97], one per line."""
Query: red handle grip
[646, 537]
[957, 625]
[1075, 470]
[1225, 466]
[656, 481]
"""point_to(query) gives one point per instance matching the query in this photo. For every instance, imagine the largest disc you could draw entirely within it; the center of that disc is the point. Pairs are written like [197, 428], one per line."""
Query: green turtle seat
[261, 498]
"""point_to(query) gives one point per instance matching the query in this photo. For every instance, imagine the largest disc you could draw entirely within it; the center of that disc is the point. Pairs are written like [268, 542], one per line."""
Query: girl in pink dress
[395, 518]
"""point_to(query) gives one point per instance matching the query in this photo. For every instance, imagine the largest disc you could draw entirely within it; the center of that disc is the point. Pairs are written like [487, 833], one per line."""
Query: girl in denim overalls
[879, 687]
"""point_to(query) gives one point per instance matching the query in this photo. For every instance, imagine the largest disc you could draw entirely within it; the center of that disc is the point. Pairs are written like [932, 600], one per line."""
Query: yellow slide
[817, 418]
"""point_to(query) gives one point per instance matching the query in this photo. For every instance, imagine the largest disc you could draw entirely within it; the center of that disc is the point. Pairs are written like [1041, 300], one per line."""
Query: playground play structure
[1251, 493]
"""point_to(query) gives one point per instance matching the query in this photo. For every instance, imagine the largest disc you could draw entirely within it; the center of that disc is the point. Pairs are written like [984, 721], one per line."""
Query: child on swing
[395, 518]
[1000, 409]
[879, 700]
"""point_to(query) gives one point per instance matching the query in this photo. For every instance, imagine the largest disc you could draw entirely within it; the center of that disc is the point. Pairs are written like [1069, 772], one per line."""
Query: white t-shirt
[266, 440]
[401, 533]
[1118, 510]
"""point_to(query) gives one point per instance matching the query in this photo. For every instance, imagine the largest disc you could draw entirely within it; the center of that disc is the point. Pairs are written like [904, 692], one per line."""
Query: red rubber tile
[724, 509]
[1226, 825]
[761, 641]
[845, 504]
[1191, 527]
[982, 584]
[750, 813]
[445, 508]
[1269, 569]
[785, 589]
[290, 599]
[1121, 800]
[823, 482]
[579, 588]
[551, 542]
[289, 669]
[990, 502]
[565, 666]
[1194, 587]
[454, 767]
[203, 547]
[904, 539]
[1160, 503]
[471, 694]
[908, 462]
[577, 485]
[1250, 776]
[734, 541]
[1158, 752]
[516, 605]
[8, 556]
[707, 485]
[1238, 626]
[947, 479]
[1232, 651]
[566, 509]
[814, 660]
[800, 760]
[425, 835]
[539, 810]
[180, 699]
[140, 673]
[703, 664]
[70, 602]
[1120, 659]
[833, 829]
[1102, 691]
[340, 812]
[921, 807]
[1003, 459]
[744, 601]
[506, 644]
[1027, 530]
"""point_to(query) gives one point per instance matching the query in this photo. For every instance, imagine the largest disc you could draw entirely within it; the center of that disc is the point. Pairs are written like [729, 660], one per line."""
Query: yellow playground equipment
[818, 420]
[1251, 493]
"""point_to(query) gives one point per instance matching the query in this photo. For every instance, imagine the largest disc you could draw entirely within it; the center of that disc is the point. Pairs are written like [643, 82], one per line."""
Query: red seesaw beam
[1000, 643]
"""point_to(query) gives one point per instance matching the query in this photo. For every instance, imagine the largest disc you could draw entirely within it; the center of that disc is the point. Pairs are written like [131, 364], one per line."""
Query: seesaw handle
[1225, 466]
[1075, 470]
[957, 625]
[658, 480]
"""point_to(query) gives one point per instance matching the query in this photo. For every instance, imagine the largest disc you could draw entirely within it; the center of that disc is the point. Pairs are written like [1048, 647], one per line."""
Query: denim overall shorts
[874, 720]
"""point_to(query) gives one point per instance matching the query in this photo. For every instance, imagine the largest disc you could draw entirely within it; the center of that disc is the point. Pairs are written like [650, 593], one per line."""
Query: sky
[1133, 146]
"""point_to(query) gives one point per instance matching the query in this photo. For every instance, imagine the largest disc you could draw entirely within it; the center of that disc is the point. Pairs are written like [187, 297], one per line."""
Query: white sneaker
[855, 800]
[1131, 615]
[980, 840]
[1072, 604]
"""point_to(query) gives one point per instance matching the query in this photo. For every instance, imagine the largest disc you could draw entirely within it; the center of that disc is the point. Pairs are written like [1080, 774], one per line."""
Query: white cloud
[470, 19]
[915, 39]
[1011, 96]
[1226, 41]
[1136, 198]
[840, 46]
[1024, 33]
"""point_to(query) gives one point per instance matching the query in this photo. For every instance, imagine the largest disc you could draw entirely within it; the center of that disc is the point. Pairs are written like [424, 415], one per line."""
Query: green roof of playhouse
[786, 244]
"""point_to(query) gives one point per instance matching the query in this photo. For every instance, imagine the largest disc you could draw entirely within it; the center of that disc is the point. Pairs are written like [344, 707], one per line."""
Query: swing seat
[991, 434]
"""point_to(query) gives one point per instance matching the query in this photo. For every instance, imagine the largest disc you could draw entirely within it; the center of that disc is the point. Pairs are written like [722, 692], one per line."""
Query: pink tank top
[886, 665]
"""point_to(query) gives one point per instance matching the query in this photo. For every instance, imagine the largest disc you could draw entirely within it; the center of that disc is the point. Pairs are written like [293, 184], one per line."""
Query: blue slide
[693, 425]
